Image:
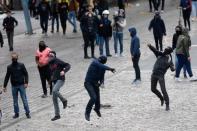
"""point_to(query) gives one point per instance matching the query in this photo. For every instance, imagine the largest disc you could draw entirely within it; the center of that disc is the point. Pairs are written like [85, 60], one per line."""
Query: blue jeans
[176, 65]
[55, 18]
[72, 19]
[103, 41]
[118, 37]
[56, 95]
[194, 8]
[183, 60]
[22, 91]
[94, 93]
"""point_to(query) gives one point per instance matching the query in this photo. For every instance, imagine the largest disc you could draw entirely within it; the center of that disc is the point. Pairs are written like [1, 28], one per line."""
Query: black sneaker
[167, 108]
[28, 115]
[74, 31]
[15, 116]
[44, 96]
[87, 117]
[64, 104]
[98, 113]
[86, 57]
[109, 55]
[52, 31]
[55, 118]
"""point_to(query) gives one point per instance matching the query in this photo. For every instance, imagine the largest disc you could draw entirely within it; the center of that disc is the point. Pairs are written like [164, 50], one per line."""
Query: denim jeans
[56, 94]
[194, 8]
[72, 19]
[154, 80]
[176, 65]
[103, 41]
[183, 60]
[55, 18]
[94, 94]
[118, 37]
[19, 89]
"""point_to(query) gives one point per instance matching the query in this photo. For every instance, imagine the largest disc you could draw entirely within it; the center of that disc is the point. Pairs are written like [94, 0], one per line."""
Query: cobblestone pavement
[132, 107]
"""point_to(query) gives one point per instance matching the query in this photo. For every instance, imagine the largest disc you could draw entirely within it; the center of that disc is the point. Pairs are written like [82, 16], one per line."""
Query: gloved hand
[112, 70]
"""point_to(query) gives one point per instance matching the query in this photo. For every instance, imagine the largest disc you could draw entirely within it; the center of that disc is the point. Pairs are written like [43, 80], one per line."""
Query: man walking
[163, 62]
[44, 11]
[159, 30]
[63, 10]
[9, 24]
[58, 69]
[19, 82]
[135, 54]
[55, 15]
[73, 8]
[94, 79]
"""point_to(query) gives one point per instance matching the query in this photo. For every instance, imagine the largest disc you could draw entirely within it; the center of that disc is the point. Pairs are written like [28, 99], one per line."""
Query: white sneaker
[177, 79]
[192, 78]
[116, 55]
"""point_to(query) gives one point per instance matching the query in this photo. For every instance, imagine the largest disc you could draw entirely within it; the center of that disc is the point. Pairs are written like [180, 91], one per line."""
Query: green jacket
[183, 43]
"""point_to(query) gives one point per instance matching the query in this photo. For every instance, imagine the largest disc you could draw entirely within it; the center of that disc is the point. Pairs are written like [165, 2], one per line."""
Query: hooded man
[163, 62]
[159, 30]
[135, 53]
[183, 55]
[58, 70]
[19, 82]
[94, 79]
[42, 58]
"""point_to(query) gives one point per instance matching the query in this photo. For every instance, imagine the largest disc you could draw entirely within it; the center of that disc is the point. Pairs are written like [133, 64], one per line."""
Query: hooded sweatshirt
[183, 44]
[135, 43]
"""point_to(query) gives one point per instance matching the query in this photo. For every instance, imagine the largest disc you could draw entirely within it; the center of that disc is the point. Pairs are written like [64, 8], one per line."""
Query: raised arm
[154, 50]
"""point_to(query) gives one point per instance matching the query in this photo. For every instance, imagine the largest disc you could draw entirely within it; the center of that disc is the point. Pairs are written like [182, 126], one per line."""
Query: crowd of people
[97, 29]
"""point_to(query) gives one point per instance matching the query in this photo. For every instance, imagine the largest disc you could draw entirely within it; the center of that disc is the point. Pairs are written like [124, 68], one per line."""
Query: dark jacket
[44, 9]
[56, 66]
[63, 9]
[9, 23]
[96, 72]
[89, 24]
[162, 63]
[135, 43]
[174, 40]
[186, 4]
[18, 74]
[158, 26]
[54, 8]
[103, 5]
[106, 29]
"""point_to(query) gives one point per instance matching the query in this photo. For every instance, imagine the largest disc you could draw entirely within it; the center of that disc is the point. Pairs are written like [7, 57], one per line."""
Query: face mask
[14, 60]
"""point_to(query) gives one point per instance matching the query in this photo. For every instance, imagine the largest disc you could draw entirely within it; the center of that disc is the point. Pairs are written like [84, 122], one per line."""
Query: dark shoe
[43, 32]
[185, 76]
[55, 118]
[28, 115]
[167, 108]
[15, 116]
[64, 104]
[109, 55]
[44, 96]
[57, 30]
[74, 31]
[87, 117]
[98, 113]
[86, 57]
[52, 31]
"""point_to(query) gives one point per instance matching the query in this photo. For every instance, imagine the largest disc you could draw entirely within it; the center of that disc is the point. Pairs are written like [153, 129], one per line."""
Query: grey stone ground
[133, 107]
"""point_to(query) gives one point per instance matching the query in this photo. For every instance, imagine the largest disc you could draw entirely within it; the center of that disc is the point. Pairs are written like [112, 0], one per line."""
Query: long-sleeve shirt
[162, 63]
[96, 72]
[56, 66]
[9, 23]
[18, 74]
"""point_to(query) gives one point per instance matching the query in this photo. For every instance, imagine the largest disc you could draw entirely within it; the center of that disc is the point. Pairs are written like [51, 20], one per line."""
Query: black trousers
[186, 17]
[63, 21]
[158, 3]
[152, 4]
[159, 42]
[10, 35]
[94, 93]
[89, 39]
[44, 23]
[45, 75]
[154, 80]
[135, 60]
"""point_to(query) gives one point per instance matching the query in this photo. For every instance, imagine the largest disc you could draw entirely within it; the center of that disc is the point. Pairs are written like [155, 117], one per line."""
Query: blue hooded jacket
[135, 43]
